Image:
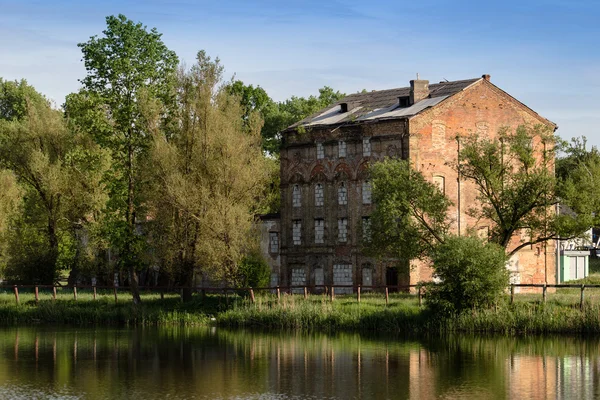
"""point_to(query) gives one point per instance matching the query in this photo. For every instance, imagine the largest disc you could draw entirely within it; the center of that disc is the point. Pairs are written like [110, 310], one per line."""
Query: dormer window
[404, 101]
[344, 107]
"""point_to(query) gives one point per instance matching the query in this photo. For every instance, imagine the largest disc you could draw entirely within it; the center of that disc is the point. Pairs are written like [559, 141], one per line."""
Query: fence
[327, 290]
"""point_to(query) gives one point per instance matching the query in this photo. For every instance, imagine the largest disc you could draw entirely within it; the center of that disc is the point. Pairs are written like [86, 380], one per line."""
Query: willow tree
[210, 172]
[123, 65]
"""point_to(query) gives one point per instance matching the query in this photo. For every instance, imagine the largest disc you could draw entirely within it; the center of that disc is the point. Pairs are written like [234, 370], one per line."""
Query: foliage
[253, 271]
[210, 172]
[472, 274]
[516, 186]
[411, 214]
[58, 174]
[125, 65]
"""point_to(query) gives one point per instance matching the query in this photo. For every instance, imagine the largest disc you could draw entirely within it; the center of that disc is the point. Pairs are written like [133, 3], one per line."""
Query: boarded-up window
[366, 192]
[483, 232]
[319, 230]
[274, 242]
[296, 196]
[367, 147]
[319, 195]
[320, 151]
[440, 182]
[297, 232]
[341, 149]
[342, 194]
[342, 230]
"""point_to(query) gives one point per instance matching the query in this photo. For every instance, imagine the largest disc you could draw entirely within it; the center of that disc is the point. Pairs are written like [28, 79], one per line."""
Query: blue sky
[545, 53]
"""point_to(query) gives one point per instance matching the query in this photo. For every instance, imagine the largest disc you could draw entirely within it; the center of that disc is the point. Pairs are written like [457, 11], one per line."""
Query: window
[483, 232]
[319, 230]
[366, 192]
[341, 149]
[342, 195]
[320, 151]
[296, 196]
[297, 232]
[342, 230]
[366, 228]
[440, 182]
[274, 242]
[319, 195]
[367, 147]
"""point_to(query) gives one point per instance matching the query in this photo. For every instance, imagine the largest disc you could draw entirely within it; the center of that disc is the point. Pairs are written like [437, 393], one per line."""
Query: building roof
[382, 104]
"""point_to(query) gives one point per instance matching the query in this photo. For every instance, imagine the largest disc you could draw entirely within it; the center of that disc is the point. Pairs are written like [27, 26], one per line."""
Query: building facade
[325, 188]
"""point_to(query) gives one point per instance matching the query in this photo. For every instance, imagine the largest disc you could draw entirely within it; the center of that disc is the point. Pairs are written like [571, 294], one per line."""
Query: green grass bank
[561, 313]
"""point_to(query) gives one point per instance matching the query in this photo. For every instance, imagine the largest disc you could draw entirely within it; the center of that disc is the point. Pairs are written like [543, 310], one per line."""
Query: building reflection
[155, 363]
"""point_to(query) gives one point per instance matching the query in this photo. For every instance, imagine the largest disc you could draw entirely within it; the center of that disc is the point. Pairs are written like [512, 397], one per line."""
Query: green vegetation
[560, 314]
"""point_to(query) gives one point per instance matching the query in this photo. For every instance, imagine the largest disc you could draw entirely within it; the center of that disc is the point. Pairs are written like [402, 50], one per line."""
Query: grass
[561, 312]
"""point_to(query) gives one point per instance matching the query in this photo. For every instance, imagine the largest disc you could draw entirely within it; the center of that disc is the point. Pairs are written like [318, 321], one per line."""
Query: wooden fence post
[252, 295]
[581, 299]
[75, 292]
[53, 293]
[358, 294]
[332, 292]
[162, 294]
[278, 294]
[37, 295]
[16, 294]
[115, 290]
[387, 296]
[94, 293]
[420, 295]
[544, 293]
[512, 293]
[305, 293]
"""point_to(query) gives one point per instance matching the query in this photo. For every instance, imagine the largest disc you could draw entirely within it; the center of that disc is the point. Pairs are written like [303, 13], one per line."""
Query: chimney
[486, 77]
[419, 90]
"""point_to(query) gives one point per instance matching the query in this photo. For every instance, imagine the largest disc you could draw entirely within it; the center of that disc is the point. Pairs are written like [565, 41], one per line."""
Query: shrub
[253, 271]
[470, 273]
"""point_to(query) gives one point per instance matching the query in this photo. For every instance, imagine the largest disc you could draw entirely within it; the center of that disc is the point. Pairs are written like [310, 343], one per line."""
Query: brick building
[325, 188]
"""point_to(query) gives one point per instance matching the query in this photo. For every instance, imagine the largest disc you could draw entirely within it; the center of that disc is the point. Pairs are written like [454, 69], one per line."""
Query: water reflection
[211, 363]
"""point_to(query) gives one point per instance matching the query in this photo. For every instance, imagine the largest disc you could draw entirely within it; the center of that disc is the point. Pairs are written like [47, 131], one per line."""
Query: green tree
[517, 189]
[411, 214]
[59, 173]
[124, 65]
[210, 172]
[471, 274]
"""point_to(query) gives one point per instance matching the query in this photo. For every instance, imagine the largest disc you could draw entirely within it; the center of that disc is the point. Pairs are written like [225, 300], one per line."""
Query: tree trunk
[49, 275]
[133, 277]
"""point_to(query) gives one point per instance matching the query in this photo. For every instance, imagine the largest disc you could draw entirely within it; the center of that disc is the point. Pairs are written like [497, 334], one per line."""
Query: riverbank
[560, 314]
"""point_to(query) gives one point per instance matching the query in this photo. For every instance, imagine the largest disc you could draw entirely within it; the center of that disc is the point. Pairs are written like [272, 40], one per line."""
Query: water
[210, 363]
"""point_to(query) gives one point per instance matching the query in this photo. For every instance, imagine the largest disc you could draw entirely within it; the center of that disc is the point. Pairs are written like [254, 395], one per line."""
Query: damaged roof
[382, 104]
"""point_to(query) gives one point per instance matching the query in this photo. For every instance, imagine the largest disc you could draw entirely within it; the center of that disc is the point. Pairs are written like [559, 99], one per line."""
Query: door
[391, 278]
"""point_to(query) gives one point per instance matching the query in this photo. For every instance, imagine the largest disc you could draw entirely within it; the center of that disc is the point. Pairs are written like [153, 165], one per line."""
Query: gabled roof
[382, 104]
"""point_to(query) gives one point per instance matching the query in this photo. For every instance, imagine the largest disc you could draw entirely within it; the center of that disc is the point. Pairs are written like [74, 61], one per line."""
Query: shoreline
[560, 314]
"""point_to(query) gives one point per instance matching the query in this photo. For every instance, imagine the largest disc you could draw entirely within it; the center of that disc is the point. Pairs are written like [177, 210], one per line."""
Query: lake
[214, 363]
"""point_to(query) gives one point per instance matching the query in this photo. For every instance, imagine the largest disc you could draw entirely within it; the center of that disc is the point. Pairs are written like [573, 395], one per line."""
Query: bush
[471, 274]
[253, 271]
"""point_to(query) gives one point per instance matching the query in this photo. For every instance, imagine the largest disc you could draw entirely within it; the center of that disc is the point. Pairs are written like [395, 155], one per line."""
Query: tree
[209, 173]
[126, 64]
[411, 214]
[11, 198]
[471, 274]
[517, 189]
[58, 172]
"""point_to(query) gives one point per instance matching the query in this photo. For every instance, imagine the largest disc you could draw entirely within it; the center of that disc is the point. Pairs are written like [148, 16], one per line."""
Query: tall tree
[127, 63]
[517, 189]
[210, 171]
[59, 172]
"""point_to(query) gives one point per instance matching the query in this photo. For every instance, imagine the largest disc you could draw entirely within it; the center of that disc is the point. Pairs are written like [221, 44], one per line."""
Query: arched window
[440, 182]
[296, 196]
[319, 195]
[342, 194]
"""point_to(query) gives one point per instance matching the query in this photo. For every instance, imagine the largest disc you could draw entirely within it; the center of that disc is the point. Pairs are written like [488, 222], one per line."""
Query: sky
[543, 52]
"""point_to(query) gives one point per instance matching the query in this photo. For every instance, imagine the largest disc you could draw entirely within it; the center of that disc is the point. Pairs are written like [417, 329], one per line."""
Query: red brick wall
[481, 108]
